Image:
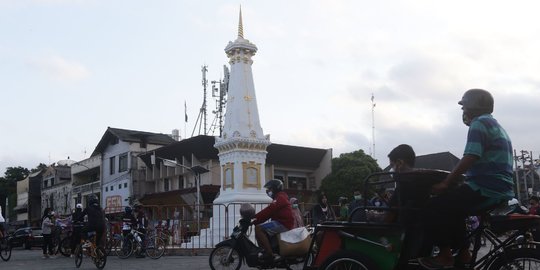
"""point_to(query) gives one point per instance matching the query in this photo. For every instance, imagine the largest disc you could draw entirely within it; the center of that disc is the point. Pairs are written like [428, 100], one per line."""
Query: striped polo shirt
[492, 173]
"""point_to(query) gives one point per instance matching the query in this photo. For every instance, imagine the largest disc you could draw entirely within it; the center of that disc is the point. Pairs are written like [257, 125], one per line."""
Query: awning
[174, 197]
[21, 208]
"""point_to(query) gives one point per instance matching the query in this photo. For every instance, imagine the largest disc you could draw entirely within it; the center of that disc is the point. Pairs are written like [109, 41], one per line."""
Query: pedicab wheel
[348, 260]
[220, 259]
[5, 250]
[519, 258]
[78, 256]
[155, 247]
[65, 246]
[125, 248]
[101, 258]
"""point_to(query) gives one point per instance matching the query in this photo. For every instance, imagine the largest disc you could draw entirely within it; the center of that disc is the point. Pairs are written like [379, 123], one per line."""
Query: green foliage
[8, 186]
[349, 171]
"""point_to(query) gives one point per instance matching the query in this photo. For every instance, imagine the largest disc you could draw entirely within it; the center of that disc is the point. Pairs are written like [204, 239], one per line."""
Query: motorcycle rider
[279, 211]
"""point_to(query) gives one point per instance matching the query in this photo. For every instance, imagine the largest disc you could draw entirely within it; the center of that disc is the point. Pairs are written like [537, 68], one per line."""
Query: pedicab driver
[280, 214]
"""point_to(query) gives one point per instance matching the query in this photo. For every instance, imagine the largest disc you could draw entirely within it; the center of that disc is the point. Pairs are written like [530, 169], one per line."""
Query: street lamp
[197, 170]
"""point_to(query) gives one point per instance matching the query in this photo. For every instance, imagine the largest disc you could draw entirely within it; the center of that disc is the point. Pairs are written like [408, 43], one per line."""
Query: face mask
[269, 193]
[295, 205]
[358, 197]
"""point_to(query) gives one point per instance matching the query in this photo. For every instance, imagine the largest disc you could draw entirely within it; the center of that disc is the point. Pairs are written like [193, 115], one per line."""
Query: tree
[8, 186]
[349, 171]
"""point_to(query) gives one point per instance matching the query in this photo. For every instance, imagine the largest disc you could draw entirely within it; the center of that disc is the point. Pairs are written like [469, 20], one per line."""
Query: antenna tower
[202, 112]
[373, 123]
[219, 92]
[221, 98]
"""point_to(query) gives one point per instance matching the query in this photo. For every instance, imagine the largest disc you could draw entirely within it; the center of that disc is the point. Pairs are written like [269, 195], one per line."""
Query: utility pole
[373, 123]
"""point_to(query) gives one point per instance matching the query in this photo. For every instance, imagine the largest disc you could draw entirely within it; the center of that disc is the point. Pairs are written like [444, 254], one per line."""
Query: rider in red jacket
[279, 211]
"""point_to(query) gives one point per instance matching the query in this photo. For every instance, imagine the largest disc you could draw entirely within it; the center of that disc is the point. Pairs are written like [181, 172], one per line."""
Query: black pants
[445, 215]
[75, 239]
[47, 244]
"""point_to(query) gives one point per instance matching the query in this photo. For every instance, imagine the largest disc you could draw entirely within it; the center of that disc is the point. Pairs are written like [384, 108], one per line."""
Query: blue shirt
[492, 173]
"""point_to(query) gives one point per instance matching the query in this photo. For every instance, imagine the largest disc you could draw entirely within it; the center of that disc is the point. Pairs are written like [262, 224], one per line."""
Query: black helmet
[477, 102]
[275, 185]
[93, 199]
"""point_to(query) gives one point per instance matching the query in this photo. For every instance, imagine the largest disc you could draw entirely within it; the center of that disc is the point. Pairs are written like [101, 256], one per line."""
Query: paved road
[31, 260]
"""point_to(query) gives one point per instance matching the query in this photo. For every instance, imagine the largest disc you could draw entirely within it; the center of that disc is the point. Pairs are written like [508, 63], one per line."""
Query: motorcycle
[238, 249]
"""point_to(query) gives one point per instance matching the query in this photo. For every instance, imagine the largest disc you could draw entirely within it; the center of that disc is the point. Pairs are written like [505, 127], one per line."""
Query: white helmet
[78, 206]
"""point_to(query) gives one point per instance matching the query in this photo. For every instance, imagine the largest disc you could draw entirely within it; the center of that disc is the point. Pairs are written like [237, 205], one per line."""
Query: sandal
[430, 263]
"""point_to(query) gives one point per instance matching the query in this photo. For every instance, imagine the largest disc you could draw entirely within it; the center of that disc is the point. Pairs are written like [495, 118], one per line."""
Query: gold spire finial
[240, 26]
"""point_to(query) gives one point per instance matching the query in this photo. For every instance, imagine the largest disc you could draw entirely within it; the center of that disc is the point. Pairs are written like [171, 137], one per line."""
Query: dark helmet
[477, 102]
[93, 199]
[342, 199]
[127, 209]
[275, 185]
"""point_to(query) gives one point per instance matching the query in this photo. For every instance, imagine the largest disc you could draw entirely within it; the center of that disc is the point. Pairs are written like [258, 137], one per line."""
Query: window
[125, 185]
[119, 186]
[112, 162]
[112, 188]
[45, 183]
[123, 163]
[297, 182]
[166, 184]
[106, 189]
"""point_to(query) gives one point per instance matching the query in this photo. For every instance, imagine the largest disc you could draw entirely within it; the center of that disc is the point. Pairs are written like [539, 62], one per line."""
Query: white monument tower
[242, 146]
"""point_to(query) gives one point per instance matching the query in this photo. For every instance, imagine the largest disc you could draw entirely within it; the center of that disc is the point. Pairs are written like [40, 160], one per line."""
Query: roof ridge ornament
[240, 25]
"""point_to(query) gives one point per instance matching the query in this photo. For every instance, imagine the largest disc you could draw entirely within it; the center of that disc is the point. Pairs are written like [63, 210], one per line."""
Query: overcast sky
[71, 68]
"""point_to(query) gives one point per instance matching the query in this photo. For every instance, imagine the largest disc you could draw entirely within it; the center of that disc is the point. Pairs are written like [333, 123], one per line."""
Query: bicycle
[378, 245]
[154, 247]
[5, 248]
[90, 249]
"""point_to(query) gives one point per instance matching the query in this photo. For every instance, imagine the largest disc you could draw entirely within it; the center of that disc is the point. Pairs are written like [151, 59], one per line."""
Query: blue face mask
[269, 193]
[295, 205]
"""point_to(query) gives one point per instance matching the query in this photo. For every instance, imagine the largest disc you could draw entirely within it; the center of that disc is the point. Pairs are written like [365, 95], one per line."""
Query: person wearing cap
[77, 222]
[487, 164]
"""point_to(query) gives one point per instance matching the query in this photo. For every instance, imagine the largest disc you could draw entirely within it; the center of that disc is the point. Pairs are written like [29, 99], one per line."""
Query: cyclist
[142, 224]
[2, 220]
[128, 221]
[281, 215]
[96, 218]
[487, 162]
[77, 221]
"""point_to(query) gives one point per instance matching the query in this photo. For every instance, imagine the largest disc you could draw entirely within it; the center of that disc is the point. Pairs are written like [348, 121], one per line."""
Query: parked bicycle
[89, 248]
[154, 247]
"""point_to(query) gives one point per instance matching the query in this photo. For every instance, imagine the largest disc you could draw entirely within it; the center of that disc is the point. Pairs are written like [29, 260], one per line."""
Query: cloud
[60, 69]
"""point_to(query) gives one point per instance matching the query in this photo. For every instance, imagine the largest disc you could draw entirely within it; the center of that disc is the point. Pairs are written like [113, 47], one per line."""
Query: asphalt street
[32, 260]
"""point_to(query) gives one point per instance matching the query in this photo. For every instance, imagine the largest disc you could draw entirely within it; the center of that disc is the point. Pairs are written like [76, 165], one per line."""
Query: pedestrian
[343, 208]
[323, 211]
[2, 221]
[297, 214]
[402, 160]
[46, 228]
[358, 202]
[488, 166]
[534, 208]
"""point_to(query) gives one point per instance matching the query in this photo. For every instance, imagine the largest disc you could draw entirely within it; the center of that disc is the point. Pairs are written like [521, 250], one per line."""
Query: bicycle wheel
[155, 247]
[219, 258]
[348, 260]
[65, 246]
[101, 258]
[520, 258]
[125, 248]
[113, 245]
[78, 255]
[5, 250]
